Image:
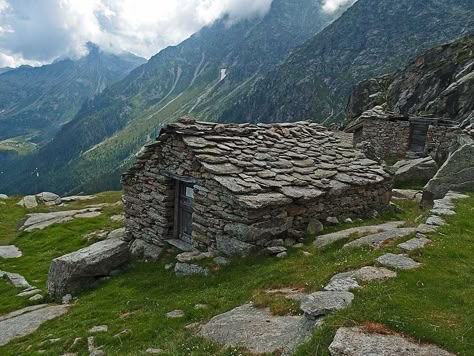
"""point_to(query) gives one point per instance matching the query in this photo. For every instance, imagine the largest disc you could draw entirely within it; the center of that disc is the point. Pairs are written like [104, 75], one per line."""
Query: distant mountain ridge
[198, 77]
[36, 101]
[372, 38]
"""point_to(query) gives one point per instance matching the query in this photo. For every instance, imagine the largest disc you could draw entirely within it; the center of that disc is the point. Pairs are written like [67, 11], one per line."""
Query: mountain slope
[373, 37]
[202, 73]
[439, 83]
[36, 101]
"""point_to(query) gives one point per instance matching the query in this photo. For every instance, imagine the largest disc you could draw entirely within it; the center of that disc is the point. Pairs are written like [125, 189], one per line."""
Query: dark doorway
[418, 134]
[185, 212]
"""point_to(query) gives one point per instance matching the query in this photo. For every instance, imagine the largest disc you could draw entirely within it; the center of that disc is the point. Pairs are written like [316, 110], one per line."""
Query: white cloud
[334, 5]
[34, 31]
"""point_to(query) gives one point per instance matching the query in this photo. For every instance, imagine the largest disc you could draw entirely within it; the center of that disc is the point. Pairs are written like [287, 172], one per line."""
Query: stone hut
[233, 189]
[393, 136]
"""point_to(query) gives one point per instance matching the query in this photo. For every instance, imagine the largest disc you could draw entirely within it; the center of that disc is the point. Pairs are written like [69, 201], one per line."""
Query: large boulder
[48, 198]
[28, 202]
[3, 196]
[456, 174]
[75, 271]
[414, 171]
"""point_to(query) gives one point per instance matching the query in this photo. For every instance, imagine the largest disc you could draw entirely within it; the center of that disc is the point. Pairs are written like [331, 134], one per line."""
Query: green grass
[433, 303]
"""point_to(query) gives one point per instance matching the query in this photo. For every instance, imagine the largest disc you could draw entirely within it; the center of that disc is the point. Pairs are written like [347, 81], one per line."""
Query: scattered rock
[146, 251]
[329, 239]
[414, 244]
[192, 256]
[169, 266]
[257, 330]
[16, 279]
[221, 261]
[233, 247]
[117, 234]
[10, 252]
[122, 333]
[99, 329]
[3, 197]
[282, 255]
[28, 202]
[273, 250]
[25, 321]
[36, 298]
[67, 299]
[402, 262]
[325, 302]
[185, 269]
[357, 342]
[200, 306]
[299, 245]
[379, 239]
[349, 221]
[76, 271]
[117, 218]
[332, 220]
[175, 314]
[153, 351]
[342, 284]
[29, 293]
[315, 227]
[407, 194]
[426, 229]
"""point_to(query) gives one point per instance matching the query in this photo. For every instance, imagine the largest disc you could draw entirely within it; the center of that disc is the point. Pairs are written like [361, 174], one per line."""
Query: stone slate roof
[273, 164]
[379, 113]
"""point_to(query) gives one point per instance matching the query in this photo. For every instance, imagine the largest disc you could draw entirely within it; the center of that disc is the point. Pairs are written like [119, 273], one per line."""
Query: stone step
[10, 251]
[180, 245]
[402, 262]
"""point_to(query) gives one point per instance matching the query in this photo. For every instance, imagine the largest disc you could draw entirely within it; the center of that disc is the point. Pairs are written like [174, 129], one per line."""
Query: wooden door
[185, 212]
[418, 134]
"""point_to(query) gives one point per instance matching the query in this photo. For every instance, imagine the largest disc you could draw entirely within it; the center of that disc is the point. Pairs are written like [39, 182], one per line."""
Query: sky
[36, 32]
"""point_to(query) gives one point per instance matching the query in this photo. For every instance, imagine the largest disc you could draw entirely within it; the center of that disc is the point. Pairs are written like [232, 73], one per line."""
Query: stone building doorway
[185, 211]
[418, 135]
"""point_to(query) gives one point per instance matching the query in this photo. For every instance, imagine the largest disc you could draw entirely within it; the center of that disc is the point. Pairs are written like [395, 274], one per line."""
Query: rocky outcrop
[78, 270]
[438, 83]
[28, 202]
[456, 174]
[415, 171]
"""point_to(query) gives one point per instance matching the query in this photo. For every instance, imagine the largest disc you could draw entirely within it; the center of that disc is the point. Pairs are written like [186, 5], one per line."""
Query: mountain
[36, 101]
[439, 83]
[373, 37]
[199, 76]
[5, 69]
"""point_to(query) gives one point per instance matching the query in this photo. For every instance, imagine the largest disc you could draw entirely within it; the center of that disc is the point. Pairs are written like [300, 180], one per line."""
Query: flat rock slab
[16, 279]
[356, 342]
[435, 221]
[78, 198]
[329, 239]
[322, 303]
[186, 269]
[350, 280]
[426, 229]
[414, 244]
[257, 330]
[25, 321]
[75, 271]
[41, 221]
[402, 262]
[377, 240]
[10, 252]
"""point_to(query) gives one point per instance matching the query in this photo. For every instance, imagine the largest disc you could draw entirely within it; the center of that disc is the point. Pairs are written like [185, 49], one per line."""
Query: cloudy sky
[39, 31]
